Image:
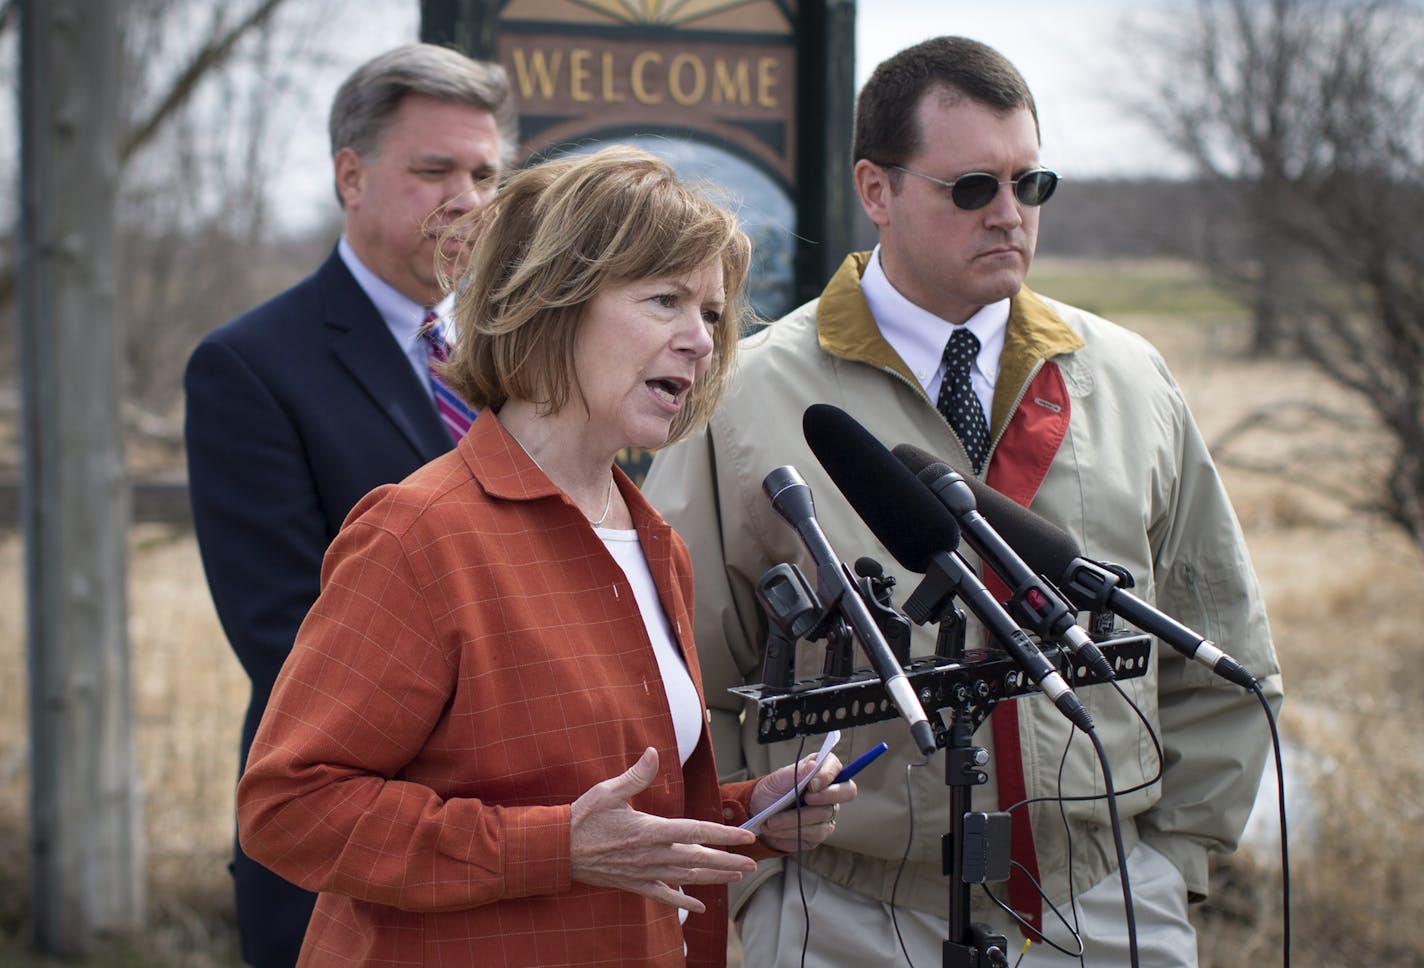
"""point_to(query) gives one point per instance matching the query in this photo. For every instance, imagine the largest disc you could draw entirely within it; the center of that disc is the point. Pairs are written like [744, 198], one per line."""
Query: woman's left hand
[817, 819]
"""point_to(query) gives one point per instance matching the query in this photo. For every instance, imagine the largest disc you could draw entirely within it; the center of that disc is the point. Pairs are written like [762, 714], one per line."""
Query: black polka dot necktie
[957, 400]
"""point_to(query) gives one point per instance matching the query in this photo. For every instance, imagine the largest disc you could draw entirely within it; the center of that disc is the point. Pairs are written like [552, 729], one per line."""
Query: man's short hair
[368, 100]
[554, 237]
[887, 130]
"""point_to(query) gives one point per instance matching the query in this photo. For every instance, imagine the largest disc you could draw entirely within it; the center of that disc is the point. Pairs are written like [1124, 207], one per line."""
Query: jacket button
[727, 813]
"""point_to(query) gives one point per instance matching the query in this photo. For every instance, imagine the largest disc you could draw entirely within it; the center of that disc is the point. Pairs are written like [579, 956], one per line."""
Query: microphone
[1035, 603]
[921, 535]
[791, 498]
[1091, 586]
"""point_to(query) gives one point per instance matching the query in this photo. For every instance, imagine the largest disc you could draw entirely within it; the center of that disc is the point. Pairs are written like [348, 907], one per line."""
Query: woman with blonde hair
[489, 743]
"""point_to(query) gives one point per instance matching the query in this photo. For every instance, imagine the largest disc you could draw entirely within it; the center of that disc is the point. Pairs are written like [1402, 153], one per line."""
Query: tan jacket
[1132, 481]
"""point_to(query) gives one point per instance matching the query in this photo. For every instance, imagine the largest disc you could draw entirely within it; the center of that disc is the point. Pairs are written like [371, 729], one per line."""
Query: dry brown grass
[190, 694]
[1346, 598]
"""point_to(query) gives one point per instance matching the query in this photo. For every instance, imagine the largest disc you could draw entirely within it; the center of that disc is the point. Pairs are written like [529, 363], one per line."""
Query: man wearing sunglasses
[932, 339]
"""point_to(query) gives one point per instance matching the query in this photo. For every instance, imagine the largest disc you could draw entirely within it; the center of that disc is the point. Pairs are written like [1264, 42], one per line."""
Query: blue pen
[855, 766]
[859, 763]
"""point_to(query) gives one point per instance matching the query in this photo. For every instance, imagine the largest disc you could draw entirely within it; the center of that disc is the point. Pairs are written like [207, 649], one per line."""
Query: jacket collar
[505, 470]
[501, 466]
[846, 328]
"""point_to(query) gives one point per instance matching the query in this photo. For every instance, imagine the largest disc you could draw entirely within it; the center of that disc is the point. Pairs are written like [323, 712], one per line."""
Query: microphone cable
[1063, 811]
[800, 866]
[1110, 796]
[905, 857]
[1068, 828]
[1271, 722]
[1088, 797]
[1072, 929]
[1075, 929]
[1255, 689]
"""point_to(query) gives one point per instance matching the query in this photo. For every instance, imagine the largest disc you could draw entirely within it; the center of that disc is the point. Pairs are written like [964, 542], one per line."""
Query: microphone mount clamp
[977, 681]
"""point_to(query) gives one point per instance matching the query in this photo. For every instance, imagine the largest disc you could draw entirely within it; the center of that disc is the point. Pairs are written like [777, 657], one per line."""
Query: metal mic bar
[818, 705]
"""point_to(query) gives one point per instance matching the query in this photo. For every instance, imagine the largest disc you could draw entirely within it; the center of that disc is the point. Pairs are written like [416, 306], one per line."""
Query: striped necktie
[454, 412]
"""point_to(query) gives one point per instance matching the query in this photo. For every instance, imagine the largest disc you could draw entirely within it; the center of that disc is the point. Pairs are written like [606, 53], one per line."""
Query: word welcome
[585, 75]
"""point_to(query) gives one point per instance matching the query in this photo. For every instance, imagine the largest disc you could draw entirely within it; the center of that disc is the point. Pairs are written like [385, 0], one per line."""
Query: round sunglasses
[977, 189]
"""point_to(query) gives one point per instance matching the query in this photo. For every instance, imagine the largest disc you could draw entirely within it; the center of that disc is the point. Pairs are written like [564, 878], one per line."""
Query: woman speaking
[488, 744]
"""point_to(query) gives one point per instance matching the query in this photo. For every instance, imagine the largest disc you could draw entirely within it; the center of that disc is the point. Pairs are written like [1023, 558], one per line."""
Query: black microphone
[1091, 586]
[791, 498]
[921, 535]
[1035, 603]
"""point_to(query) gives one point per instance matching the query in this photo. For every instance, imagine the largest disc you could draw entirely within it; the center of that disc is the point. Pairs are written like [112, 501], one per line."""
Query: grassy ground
[1163, 289]
[190, 696]
[1344, 595]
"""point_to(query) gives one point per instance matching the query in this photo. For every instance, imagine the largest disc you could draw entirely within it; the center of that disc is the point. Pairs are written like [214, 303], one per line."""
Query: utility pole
[828, 204]
[86, 835]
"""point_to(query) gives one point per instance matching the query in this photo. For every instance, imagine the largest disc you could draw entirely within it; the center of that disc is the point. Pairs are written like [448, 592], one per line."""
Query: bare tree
[194, 207]
[204, 94]
[217, 45]
[1230, 92]
[1309, 114]
[1361, 227]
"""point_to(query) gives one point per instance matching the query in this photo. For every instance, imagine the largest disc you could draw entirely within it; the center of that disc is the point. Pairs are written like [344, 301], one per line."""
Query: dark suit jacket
[294, 411]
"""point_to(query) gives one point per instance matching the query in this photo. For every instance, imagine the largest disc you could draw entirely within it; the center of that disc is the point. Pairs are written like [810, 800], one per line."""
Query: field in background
[190, 696]
[1344, 595]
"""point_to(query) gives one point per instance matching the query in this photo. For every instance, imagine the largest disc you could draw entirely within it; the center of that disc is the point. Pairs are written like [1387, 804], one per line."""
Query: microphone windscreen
[1045, 547]
[900, 511]
[914, 458]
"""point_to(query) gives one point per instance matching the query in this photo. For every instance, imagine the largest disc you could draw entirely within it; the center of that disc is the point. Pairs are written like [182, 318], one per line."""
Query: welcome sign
[719, 71]
[753, 97]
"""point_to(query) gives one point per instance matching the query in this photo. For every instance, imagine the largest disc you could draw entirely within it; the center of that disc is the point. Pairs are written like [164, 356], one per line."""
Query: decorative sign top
[742, 15]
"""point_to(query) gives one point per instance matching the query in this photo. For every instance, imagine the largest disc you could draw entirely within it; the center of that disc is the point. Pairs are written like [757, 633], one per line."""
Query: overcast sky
[1068, 50]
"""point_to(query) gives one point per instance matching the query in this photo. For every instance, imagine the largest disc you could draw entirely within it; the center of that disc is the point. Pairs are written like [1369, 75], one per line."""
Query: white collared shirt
[402, 315]
[919, 336]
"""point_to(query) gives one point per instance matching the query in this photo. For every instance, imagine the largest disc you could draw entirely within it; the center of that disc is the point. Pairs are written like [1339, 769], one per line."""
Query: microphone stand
[793, 611]
[968, 944]
[969, 684]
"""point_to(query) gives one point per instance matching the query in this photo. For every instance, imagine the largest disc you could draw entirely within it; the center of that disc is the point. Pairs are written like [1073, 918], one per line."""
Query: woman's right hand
[613, 845]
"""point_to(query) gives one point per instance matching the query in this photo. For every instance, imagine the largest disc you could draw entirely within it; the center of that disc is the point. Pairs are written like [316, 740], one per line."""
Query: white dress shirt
[919, 336]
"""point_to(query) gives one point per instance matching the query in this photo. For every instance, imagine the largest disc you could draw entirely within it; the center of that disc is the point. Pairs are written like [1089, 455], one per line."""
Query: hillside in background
[1117, 219]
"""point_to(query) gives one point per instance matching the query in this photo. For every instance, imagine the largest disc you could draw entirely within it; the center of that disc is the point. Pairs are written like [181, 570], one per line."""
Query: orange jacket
[476, 661]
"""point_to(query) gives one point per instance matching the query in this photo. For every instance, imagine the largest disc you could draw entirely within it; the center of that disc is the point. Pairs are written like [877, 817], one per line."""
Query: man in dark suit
[300, 406]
